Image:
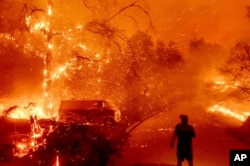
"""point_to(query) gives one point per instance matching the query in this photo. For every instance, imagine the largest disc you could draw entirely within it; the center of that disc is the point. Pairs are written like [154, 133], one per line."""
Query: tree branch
[121, 10]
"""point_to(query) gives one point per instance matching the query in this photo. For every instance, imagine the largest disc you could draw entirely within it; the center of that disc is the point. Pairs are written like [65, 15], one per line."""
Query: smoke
[21, 75]
[220, 22]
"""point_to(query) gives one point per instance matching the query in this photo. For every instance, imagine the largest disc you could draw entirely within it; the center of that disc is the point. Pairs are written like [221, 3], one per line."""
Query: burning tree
[238, 64]
[88, 55]
[238, 67]
[68, 46]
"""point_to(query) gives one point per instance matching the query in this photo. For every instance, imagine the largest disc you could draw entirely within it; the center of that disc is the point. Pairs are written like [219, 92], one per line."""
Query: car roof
[67, 105]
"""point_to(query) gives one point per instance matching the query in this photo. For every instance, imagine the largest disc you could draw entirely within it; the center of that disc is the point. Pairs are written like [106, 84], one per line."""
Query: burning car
[102, 112]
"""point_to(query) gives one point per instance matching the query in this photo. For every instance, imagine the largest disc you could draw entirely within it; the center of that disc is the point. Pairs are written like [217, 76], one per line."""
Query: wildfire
[23, 144]
[222, 86]
[221, 109]
[40, 24]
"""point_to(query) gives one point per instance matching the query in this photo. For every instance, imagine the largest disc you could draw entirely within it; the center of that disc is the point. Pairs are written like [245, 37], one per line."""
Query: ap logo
[239, 157]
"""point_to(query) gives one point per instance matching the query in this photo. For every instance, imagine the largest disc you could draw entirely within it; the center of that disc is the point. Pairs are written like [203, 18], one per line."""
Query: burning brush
[35, 138]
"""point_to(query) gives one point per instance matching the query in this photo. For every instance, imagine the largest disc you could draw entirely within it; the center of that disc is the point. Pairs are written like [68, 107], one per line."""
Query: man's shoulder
[187, 126]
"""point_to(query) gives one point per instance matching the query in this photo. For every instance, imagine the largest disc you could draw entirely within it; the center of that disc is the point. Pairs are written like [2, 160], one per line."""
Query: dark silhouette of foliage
[77, 145]
[168, 56]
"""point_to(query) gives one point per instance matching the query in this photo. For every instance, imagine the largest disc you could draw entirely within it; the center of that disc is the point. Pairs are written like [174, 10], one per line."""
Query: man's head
[184, 119]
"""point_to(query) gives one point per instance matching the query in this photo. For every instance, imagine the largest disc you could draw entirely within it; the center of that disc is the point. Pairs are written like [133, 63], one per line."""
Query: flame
[35, 25]
[97, 55]
[62, 69]
[27, 20]
[79, 27]
[36, 135]
[32, 142]
[42, 26]
[6, 36]
[38, 26]
[83, 46]
[50, 46]
[228, 112]
[26, 111]
[57, 160]
[107, 61]
[223, 87]
[49, 10]
[21, 146]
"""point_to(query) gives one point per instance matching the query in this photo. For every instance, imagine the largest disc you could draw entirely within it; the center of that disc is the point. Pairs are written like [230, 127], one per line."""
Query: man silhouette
[184, 133]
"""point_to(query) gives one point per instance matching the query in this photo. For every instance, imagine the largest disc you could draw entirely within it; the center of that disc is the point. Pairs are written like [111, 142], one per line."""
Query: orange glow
[39, 26]
[45, 72]
[6, 36]
[84, 47]
[79, 27]
[49, 10]
[50, 105]
[57, 161]
[222, 86]
[97, 55]
[35, 25]
[25, 112]
[32, 143]
[36, 135]
[50, 46]
[27, 20]
[42, 27]
[62, 69]
[107, 61]
[227, 112]
[21, 146]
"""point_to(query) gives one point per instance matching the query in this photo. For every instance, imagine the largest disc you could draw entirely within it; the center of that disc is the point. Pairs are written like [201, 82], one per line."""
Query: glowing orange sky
[221, 21]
